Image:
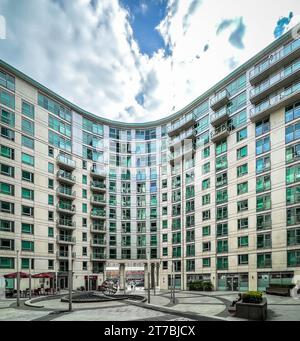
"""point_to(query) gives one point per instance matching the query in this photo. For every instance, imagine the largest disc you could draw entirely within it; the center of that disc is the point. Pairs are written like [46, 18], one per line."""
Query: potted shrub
[207, 286]
[252, 306]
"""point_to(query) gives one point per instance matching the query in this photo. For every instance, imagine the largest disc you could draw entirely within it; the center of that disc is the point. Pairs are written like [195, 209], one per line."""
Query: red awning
[91, 277]
[44, 275]
[14, 275]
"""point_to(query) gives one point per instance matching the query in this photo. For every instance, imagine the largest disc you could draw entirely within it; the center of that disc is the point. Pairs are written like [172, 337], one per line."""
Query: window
[28, 109]
[241, 135]
[50, 199]
[293, 258]
[292, 112]
[28, 127]
[27, 211]
[206, 246]
[27, 193]
[221, 179]
[27, 245]
[242, 152]
[7, 226]
[222, 196]
[206, 262]
[206, 152]
[7, 170]
[84, 193]
[222, 230]
[264, 241]
[292, 153]
[84, 179]
[50, 232]
[263, 222]
[7, 99]
[263, 183]
[50, 183]
[7, 152]
[221, 147]
[206, 184]
[221, 163]
[51, 248]
[206, 168]
[27, 159]
[222, 246]
[264, 260]
[54, 107]
[50, 167]
[242, 223]
[7, 244]
[242, 170]
[8, 133]
[243, 259]
[7, 117]
[7, 263]
[205, 231]
[263, 202]
[263, 145]
[292, 132]
[206, 215]
[27, 176]
[222, 263]
[7, 207]
[242, 188]
[243, 241]
[84, 208]
[293, 195]
[7, 189]
[27, 228]
[206, 199]
[27, 142]
[293, 174]
[50, 151]
[262, 127]
[242, 206]
[222, 213]
[263, 164]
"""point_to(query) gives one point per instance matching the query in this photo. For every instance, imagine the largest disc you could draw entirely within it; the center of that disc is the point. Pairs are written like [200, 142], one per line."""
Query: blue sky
[138, 60]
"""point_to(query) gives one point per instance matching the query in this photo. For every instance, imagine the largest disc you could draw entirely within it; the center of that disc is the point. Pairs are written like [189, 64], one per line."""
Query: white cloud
[88, 55]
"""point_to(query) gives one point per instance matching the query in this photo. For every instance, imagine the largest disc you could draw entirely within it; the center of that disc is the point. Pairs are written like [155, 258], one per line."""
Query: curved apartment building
[209, 193]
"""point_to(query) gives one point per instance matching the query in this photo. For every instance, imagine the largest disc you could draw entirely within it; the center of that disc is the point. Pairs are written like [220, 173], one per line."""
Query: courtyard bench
[278, 291]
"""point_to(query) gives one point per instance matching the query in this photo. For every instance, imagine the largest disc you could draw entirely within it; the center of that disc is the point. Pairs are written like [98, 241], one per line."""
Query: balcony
[97, 172]
[186, 135]
[221, 133]
[65, 162]
[220, 117]
[284, 98]
[97, 186]
[96, 257]
[65, 193]
[65, 239]
[98, 214]
[275, 62]
[66, 224]
[66, 208]
[98, 228]
[98, 242]
[182, 152]
[280, 80]
[98, 200]
[220, 99]
[183, 124]
[64, 255]
[66, 178]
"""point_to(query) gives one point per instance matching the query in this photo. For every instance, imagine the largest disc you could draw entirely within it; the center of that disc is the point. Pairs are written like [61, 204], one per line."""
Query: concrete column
[252, 279]
[122, 276]
[104, 272]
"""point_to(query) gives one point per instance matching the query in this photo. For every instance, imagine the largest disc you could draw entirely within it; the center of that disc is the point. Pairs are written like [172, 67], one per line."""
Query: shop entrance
[232, 283]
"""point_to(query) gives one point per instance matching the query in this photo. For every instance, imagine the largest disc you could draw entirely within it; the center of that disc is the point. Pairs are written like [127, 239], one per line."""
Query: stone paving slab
[11, 314]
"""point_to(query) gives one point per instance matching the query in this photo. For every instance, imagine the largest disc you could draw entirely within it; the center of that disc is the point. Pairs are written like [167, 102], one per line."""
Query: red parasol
[14, 275]
[44, 275]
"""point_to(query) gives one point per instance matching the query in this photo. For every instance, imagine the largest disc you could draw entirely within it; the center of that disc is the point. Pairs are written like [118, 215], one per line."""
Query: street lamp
[18, 280]
[70, 277]
[148, 270]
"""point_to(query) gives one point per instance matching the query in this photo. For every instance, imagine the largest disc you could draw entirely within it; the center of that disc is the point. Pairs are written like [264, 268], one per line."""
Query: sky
[138, 60]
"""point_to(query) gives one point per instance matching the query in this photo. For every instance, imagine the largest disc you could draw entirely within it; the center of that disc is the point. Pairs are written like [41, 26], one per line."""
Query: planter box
[252, 311]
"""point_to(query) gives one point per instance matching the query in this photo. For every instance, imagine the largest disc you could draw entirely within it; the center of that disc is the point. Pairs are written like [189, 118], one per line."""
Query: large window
[263, 164]
[293, 195]
[263, 183]
[262, 127]
[27, 159]
[7, 99]
[7, 117]
[292, 132]
[242, 170]
[292, 112]
[293, 174]
[7, 81]
[293, 258]
[293, 236]
[292, 153]
[54, 107]
[263, 202]
[263, 145]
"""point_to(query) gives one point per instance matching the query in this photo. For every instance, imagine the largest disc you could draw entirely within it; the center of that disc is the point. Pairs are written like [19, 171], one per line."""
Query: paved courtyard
[197, 306]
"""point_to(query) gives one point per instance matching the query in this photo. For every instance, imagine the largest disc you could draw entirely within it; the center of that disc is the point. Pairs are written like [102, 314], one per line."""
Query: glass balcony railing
[66, 222]
[97, 184]
[275, 58]
[273, 101]
[98, 171]
[220, 99]
[98, 227]
[186, 135]
[276, 79]
[62, 159]
[98, 213]
[220, 117]
[66, 206]
[65, 254]
[184, 122]
[66, 238]
[66, 176]
[66, 191]
[98, 256]
[99, 199]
